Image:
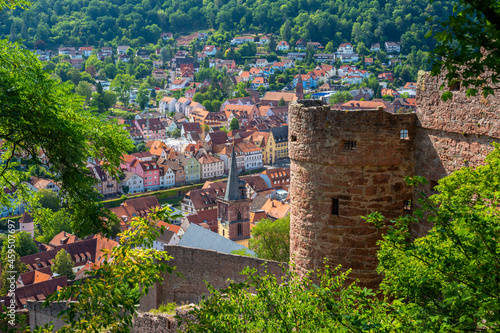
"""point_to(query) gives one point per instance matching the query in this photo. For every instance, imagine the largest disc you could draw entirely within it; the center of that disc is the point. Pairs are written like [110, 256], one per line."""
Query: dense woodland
[133, 22]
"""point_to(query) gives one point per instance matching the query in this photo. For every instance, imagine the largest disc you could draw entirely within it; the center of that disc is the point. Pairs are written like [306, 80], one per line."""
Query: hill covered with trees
[96, 22]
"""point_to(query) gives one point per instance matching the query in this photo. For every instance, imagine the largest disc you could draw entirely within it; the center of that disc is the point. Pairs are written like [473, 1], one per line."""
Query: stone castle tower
[233, 210]
[346, 164]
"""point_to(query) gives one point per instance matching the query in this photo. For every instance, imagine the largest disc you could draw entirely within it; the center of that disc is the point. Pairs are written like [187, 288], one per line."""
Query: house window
[403, 134]
[240, 229]
[407, 205]
[335, 206]
[349, 145]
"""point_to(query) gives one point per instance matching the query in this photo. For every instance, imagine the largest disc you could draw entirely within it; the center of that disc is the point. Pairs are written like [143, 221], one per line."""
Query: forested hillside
[83, 22]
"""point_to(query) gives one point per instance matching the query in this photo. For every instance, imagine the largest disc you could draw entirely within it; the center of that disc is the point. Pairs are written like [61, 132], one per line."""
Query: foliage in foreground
[452, 275]
[447, 281]
[467, 47]
[108, 298]
[42, 117]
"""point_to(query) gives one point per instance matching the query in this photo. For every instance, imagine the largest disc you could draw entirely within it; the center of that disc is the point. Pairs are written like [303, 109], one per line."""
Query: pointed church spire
[232, 188]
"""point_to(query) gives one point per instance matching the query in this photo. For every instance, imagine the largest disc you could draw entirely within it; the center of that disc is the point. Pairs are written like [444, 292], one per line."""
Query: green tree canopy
[52, 223]
[84, 89]
[122, 85]
[39, 114]
[271, 239]
[49, 199]
[63, 264]
[340, 97]
[25, 244]
[143, 96]
[234, 125]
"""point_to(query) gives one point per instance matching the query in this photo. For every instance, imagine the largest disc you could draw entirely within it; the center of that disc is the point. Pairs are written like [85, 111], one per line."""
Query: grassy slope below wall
[163, 196]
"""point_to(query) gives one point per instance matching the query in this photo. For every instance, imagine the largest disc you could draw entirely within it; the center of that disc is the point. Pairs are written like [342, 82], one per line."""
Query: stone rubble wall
[453, 134]
[39, 315]
[199, 267]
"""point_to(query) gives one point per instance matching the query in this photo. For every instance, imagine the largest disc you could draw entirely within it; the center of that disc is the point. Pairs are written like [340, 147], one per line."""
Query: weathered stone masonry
[346, 164]
[442, 137]
[455, 133]
[199, 267]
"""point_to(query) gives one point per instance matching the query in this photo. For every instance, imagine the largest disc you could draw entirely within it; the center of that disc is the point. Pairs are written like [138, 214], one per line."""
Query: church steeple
[232, 188]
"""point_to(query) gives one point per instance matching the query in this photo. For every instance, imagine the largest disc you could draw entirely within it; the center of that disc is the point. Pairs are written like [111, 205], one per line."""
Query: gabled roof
[219, 187]
[257, 216]
[280, 134]
[217, 138]
[259, 138]
[143, 205]
[203, 198]
[172, 227]
[258, 202]
[41, 183]
[276, 209]
[192, 127]
[37, 276]
[63, 238]
[82, 251]
[277, 96]
[410, 85]
[168, 99]
[208, 159]
[256, 183]
[39, 291]
[142, 154]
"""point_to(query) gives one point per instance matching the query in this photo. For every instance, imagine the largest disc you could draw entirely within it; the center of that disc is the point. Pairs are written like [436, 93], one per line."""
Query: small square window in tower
[407, 205]
[403, 135]
[349, 145]
[335, 206]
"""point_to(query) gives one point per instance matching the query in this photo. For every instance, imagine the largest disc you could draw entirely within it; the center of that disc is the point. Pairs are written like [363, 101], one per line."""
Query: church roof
[201, 238]
[232, 189]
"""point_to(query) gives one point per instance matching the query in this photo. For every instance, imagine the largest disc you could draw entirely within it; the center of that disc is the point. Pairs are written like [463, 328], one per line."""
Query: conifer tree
[63, 264]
